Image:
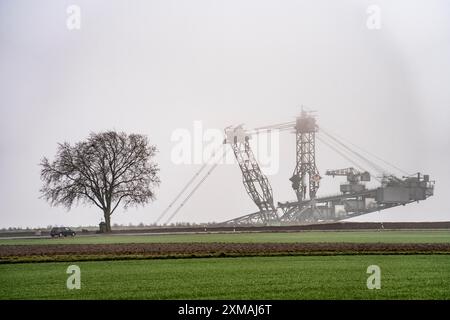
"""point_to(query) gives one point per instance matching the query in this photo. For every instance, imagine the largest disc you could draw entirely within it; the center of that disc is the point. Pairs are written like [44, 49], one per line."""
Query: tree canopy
[108, 169]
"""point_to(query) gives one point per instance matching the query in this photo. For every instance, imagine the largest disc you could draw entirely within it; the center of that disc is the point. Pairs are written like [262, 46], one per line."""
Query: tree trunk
[107, 216]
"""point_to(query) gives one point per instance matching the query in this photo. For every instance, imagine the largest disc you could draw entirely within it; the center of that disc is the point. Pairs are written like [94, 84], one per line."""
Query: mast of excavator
[306, 176]
[255, 182]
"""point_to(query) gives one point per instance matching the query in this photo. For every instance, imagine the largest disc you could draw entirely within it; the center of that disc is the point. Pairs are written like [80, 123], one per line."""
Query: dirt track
[50, 252]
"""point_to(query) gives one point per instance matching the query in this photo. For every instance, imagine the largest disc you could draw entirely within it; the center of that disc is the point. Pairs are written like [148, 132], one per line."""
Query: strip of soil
[74, 252]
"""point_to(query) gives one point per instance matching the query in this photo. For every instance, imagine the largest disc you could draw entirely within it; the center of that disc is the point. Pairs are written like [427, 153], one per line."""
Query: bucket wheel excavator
[355, 197]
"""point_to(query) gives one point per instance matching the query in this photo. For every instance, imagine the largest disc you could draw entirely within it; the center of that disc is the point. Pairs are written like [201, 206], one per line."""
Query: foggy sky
[153, 67]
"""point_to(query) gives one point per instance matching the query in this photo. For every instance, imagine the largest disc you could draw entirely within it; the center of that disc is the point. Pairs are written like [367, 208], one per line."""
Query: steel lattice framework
[305, 131]
[354, 199]
[255, 182]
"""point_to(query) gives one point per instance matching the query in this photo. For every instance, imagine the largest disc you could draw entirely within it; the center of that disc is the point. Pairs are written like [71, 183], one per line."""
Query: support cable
[342, 152]
[196, 188]
[371, 154]
[369, 162]
[178, 196]
[268, 130]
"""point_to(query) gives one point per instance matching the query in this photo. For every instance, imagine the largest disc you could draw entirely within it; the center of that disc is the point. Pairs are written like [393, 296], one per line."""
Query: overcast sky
[154, 67]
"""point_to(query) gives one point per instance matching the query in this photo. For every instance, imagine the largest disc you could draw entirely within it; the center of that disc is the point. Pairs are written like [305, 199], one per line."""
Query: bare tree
[107, 169]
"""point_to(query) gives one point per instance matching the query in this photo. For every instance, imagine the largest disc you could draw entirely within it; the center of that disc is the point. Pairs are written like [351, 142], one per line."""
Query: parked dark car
[62, 232]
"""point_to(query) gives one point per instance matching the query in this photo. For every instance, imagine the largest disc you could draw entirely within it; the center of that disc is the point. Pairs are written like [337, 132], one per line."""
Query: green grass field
[276, 277]
[319, 277]
[308, 236]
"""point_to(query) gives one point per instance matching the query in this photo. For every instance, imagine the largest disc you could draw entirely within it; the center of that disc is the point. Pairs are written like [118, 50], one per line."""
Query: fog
[155, 67]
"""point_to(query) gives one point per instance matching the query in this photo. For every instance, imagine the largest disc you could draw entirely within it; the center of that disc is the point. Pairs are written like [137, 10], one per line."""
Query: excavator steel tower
[305, 168]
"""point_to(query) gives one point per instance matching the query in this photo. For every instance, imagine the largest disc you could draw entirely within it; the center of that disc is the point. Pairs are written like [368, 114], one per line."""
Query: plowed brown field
[58, 252]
